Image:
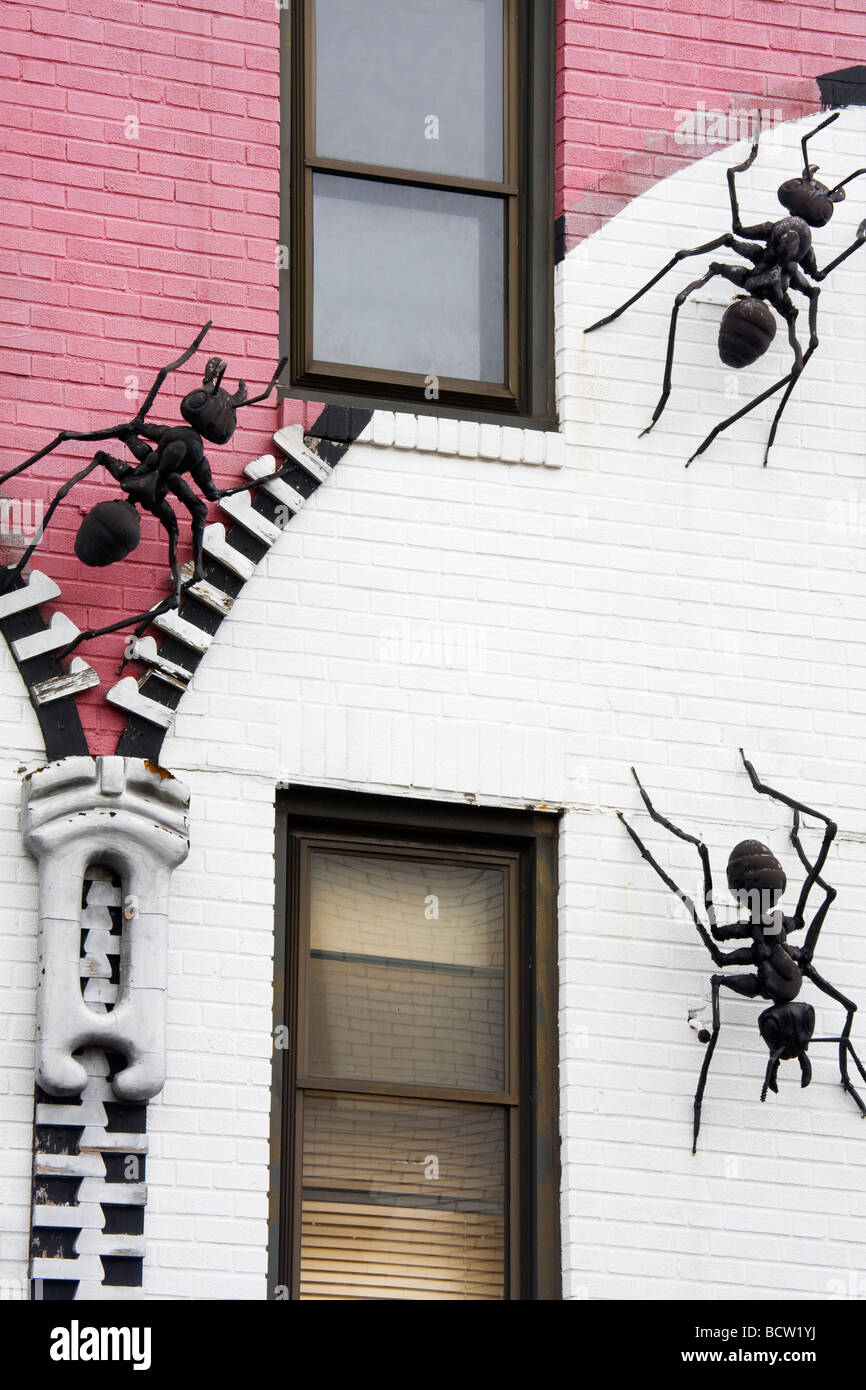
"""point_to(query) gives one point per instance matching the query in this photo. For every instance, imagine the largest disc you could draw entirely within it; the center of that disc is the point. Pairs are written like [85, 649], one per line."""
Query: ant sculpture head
[210, 410]
[806, 197]
[755, 877]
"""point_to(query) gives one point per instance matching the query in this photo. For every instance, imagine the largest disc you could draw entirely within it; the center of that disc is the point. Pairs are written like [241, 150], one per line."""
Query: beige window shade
[352, 1251]
[402, 1199]
[406, 972]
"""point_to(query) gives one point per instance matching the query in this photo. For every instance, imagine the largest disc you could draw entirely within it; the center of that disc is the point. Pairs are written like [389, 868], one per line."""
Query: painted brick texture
[140, 196]
[630, 75]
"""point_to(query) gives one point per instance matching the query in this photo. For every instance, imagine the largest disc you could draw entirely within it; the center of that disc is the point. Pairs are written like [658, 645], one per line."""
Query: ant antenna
[253, 400]
[218, 378]
[809, 169]
[855, 175]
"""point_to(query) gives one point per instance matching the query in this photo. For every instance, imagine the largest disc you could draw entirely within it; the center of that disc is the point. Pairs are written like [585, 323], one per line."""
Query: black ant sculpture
[784, 262]
[111, 530]
[757, 881]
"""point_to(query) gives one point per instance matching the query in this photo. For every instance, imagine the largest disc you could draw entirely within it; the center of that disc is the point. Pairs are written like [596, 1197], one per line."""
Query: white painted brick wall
[21, 745]
[448, 627]
[206, 1219]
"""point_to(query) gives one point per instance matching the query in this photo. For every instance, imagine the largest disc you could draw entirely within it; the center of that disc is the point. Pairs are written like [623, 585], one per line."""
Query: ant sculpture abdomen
[746, 331]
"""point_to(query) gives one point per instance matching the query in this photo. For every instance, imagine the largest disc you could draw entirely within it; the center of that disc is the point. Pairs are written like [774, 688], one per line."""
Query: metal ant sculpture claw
[757, 881]
[165, 455]
[785, 261]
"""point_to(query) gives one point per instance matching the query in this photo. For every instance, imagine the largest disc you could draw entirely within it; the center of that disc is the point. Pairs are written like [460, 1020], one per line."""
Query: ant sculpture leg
[797, 922]
[203, 478]
[859, 240]
[788, 311]
[844, 1040]
[763, 229]
[813, 292]
[118, 470]
[814, 870]
[112, 431]
[141, 620]
[746, 985]
[12, 571]
[198, 512]
[704, 857]
[737, 276]
[679, 301]
[164, 514]
[806, 952]
[732, 931]
[728, 240]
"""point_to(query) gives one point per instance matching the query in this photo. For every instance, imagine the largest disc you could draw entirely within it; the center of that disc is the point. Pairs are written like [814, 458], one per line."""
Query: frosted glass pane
[406, 971]
[408, 279]
[413, 84]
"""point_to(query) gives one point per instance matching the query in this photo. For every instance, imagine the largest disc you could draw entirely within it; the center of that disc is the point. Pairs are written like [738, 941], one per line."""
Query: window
[419, 205]
[415, 1123]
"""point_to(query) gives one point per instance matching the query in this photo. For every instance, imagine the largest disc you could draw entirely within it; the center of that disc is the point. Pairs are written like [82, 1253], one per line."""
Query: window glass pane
[402, 1199]
[408, 279]
[406, 971]
[411, 84]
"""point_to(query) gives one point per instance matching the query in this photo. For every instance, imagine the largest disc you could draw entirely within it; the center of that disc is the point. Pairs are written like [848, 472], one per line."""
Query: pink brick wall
[626, 69]
[118, 243]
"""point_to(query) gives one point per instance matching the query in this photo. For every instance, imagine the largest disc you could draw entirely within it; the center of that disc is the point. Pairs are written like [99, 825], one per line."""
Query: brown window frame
[527, 397]
[524, 844]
